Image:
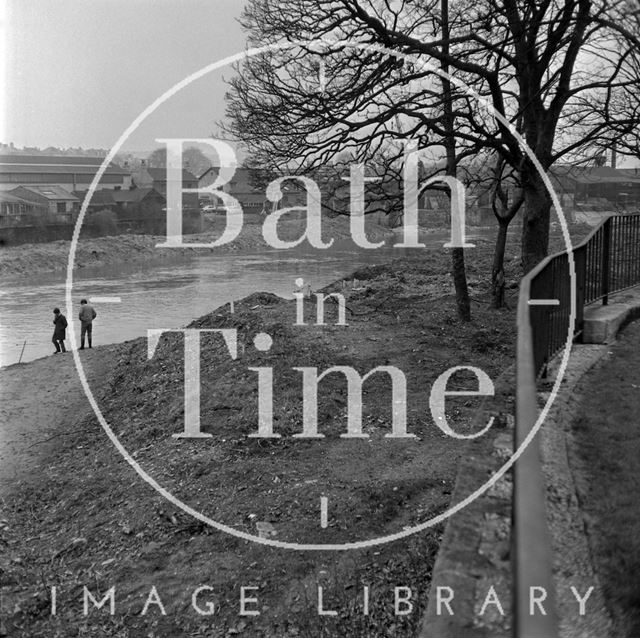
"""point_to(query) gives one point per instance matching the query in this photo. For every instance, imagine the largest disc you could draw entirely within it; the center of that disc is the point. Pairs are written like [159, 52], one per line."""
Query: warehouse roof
[56, 164]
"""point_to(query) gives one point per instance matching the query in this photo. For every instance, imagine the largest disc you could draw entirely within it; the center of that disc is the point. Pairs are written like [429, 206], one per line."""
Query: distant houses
[248, 187]
[138, 200]
[156, 178]
[47, 190]
[597, 188]
[147, 177]
[131, 201]
[53, 198]
[15, 211]
[585, 193]
[70, 173]
[136, 209]
[46, 193]
[242, 186]
[579, 189]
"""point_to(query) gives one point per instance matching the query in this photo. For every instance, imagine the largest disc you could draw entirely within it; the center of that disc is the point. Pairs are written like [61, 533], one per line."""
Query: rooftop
[598, 174]
[102, 196]
[160, 174]
[134, 195]
[13, 199]
[50, 191]
[55, 164]
[108, 196]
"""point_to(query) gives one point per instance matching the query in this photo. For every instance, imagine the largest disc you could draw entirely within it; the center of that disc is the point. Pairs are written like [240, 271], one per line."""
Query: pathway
[36, 399]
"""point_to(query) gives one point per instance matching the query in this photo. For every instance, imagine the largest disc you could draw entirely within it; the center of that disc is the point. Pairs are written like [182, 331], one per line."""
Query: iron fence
[607, 261]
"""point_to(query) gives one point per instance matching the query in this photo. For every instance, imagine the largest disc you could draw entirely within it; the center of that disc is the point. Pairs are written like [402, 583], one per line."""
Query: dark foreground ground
[77, 515]
[607, 432]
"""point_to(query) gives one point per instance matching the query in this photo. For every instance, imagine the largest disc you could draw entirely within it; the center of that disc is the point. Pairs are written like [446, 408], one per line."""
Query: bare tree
[458, 270]
[617, 108]
[548, 68]
[505, 209]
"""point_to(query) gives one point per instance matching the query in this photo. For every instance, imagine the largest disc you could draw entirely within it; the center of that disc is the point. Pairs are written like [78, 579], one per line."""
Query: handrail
[606, 261]
[532, 555]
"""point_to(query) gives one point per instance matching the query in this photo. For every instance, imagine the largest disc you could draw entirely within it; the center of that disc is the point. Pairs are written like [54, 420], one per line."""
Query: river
[168, 296]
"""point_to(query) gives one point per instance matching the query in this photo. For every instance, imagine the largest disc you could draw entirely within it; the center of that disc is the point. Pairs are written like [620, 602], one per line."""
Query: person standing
[86, 315]
[59, 331]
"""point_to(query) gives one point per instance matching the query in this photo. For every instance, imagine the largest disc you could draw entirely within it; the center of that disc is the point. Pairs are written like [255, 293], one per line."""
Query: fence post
[22, 351]
[580, 265]
[606, 246]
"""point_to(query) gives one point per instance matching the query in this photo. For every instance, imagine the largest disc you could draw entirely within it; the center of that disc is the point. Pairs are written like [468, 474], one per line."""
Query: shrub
[106, 221]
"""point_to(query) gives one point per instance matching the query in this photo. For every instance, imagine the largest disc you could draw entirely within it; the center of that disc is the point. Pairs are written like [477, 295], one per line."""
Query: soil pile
[92, 521]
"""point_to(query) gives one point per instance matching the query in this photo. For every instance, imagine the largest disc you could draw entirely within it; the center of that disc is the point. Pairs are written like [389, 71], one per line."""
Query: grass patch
[607, 432]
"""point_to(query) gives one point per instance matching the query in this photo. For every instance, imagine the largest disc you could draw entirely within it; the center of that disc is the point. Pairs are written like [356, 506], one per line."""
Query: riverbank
[134, 250]
[84, 518]
[41, 402]
[30, 259]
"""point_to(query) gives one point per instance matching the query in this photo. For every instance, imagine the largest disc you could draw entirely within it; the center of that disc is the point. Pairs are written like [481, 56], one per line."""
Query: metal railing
[607, 261]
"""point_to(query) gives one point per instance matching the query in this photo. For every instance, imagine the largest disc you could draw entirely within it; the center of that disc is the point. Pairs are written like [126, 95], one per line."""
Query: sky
[78, 72]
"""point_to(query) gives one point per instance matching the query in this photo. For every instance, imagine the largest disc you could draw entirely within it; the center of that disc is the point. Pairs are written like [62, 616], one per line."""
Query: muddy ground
[83, 517]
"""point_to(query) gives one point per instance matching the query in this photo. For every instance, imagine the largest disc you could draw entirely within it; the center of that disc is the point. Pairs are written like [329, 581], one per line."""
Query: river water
[168, 296]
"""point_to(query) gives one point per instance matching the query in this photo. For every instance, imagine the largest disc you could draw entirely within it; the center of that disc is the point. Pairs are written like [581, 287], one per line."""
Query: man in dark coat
[87, 315]
[59, 330]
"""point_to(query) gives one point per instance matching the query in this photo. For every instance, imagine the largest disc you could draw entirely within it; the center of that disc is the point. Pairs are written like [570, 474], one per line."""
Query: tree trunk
[535, 223]
[497, 271]
[458, 270]
[459, 273]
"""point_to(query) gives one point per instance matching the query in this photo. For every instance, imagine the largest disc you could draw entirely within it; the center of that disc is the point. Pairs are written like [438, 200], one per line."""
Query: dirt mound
[92, 521]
